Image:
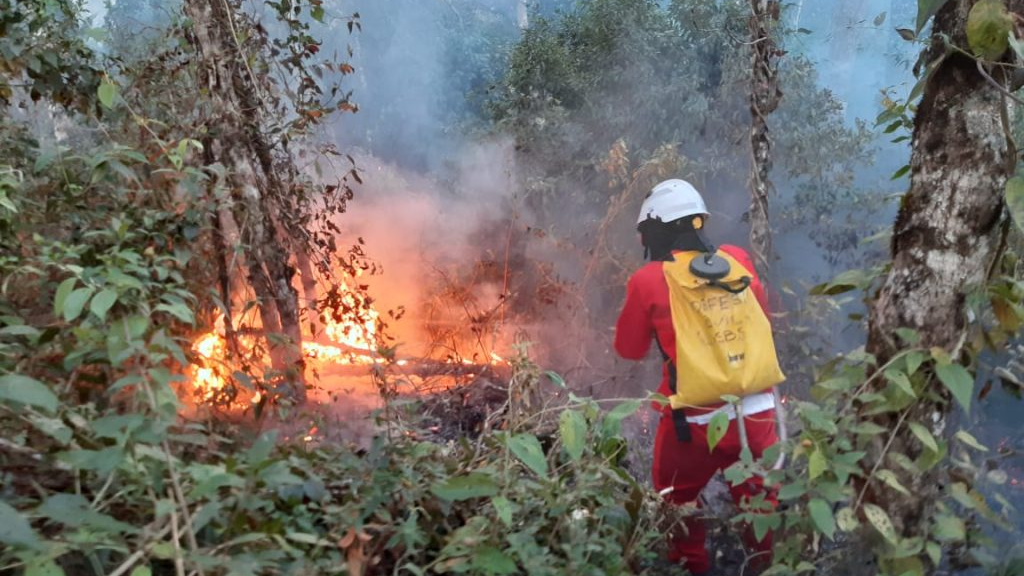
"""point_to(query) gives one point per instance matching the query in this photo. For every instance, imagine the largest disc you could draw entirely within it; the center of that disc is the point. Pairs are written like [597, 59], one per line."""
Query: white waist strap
[749, 405]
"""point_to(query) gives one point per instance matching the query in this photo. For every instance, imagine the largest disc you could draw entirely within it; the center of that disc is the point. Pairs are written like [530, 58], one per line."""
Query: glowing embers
[350, 320]
[206, 380]
[344, 346]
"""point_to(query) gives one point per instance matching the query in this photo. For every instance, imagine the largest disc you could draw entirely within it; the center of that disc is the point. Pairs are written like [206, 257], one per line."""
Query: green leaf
[75, 303]
[949, 528]
[737, 474]
[717, 428]
[178, 310]
[102, 303]
[317, 12]
[261, 448]
[21, 330]
[934, 553]
[838, 384]
[843, 282]
[959, 382]
[914, 360]
[102, 461]
[970, 440]
[14, 528]
[973, 500]
[817, 464]
[74, 511]
[556, 378]
[792, 491]
[503, 508]
[903, 461]
[821, 514]
[962, 494]
[612, 425]
[62, 294]
[53, 427]
[528, 449]
[142, 571]
[491, 561]
[42, 566]
[901, 172]
[107, 92]
[764, 523]
[924, 436]
[940, 356]
[880, 520]
[208, 512]
[900, 380]
[27, 391]
[805, 566]
[890, 479]
[1015, 199]
[868, 429]
[846, 519]
[306, 538]
[989, 25]
[925, 10]
[573, 429]
[1018, 48]
[909, 336]
[660, 399]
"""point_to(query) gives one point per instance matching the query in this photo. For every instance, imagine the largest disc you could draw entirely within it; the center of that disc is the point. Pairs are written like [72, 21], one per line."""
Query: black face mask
[661, 238]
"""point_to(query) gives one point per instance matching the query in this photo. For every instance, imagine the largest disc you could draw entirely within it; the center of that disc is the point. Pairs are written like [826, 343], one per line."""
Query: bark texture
[764, 99]
[944, 240]
[238, 143]
[522, 15]
[945, 232]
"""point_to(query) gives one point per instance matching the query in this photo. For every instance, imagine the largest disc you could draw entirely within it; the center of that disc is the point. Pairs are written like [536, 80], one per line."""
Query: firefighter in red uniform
[671, 221]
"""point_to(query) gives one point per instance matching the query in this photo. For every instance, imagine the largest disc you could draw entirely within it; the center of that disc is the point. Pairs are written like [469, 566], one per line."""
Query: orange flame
[206, 380]
[351, 340]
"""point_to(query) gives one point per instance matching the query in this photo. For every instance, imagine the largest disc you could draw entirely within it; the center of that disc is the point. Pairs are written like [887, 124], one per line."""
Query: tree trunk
[944, 240]
[764, 99]
[522, 15]
[241, 147]
[222, 247]
[309, 292]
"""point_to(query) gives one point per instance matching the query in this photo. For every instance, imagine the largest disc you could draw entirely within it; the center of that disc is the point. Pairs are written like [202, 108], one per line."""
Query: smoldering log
[422, 367]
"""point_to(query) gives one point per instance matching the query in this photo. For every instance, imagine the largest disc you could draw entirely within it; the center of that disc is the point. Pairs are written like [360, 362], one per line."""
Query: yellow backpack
[724, 343]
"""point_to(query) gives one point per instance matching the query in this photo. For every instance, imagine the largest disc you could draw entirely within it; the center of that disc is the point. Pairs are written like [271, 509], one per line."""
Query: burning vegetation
[343, 345]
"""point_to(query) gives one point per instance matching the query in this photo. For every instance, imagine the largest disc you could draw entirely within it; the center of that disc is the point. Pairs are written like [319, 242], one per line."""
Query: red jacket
[646, 313]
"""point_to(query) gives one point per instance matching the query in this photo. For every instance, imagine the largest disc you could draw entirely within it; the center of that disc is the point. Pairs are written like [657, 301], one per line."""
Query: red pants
[688, 466]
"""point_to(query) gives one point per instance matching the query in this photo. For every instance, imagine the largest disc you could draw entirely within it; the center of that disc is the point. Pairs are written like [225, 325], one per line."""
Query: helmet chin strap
[707, 247]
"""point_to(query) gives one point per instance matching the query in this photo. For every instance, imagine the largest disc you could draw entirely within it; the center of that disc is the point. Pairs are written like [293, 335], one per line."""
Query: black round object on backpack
[710, 267]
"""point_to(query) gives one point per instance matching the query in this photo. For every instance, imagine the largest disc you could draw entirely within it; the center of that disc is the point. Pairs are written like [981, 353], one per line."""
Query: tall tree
[944, 241]
[522, 14]
[242, 147]
[764, 99]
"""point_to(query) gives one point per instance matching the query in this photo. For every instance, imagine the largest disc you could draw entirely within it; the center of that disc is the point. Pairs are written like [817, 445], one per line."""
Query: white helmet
[672, 200]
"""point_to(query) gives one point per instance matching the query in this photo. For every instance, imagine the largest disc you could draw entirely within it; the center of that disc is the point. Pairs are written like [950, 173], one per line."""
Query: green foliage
[657, 79]
[717, 428]
[404, 504]
[95, 322]
[989, 25]
[872, 432]
[1015, 199]
[42, 42]
[925, 10]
